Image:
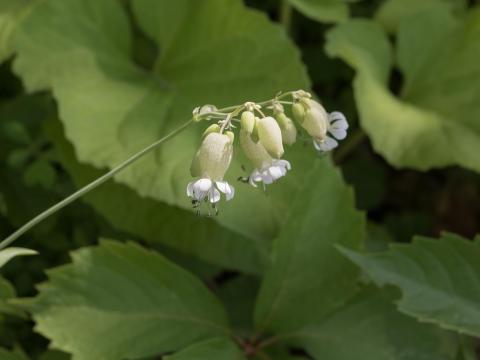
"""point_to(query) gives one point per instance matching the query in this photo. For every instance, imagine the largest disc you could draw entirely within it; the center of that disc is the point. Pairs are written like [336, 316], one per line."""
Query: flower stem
[87, 188]
[286, 15]
[348, 146]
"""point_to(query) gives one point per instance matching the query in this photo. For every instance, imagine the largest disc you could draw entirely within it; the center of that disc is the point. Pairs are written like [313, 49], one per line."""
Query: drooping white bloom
[210, 164]
[267, 169]
[270, 173]
[337, 127]
[206, 189]
[319, 124]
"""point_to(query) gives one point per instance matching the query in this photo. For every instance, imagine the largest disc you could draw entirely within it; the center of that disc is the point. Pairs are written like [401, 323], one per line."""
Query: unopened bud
[200, 111]
[248, 121]
[298, 111]
[289, 131]
[312, 116]
[231, 135]
[254, 151]
[213, 157]
[315, 119]
[270, 135]
[211, 129]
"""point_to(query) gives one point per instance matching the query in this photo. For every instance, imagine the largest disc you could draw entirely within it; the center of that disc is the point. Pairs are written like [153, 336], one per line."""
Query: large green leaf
[120, 301]
[211, 51]
[7, 292]
[322, 10]
[160, 223]
[436, 121]
[392, 12]
[9, 253]
[12, 355]
[11, 12]
[439, 279]
[369, 328]
[308, 278]
[213, 349]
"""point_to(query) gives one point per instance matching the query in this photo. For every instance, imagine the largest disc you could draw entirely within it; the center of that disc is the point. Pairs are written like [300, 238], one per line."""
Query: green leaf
[305, 264]
[322, 10]
[3, 205]
[439, 279]
[16, 354]
[378, 238]
[392, 12]
[54, 355]
[438, 113]
[9, 253]
[238, 295]
[369, 328]
[157, 222]
[10, 13]
[211, 51]
[140, 304]
[7, 292]
[467, 349]
[218, 349]
[40, 172]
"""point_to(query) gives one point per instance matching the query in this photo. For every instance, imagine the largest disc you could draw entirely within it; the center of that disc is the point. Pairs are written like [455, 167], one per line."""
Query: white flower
[267, 169]
[206, 189]
[209, 167]
[269, 173]
[337, 127]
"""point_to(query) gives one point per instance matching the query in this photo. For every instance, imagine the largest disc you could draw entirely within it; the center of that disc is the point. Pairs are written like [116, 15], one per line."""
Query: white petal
[276, 172]
[329, 143]
[190, 189]
[213, 195]
[283, 163]
[338, 119]
[326, 144]
[251, 180]
[267, 178]
[202, 185]
[339, 134]
[200, 189]
[225, 188]
[256, 176]
[229, 196]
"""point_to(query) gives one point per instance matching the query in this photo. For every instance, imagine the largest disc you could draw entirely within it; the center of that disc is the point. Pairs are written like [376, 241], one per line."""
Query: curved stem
[349, 146]
[87, 188]
[286, 15]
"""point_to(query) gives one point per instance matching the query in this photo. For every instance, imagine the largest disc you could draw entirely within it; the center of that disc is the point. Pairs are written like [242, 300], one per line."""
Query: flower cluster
[262, 139]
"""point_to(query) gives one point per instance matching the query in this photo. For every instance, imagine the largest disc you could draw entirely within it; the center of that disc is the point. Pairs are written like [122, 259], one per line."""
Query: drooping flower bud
[254, 151]
[270, 135]
[315, 118]
[247, 121]
[211, 129]
[289, 131]
[267, 169]
[213, 158]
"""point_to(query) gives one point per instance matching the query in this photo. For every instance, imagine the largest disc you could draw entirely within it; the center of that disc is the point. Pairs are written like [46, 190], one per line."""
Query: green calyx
[213, 157]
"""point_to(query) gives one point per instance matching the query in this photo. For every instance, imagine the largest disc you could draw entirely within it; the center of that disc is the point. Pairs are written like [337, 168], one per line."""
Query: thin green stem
[286, 15]
[87, 188]
[348, 146]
